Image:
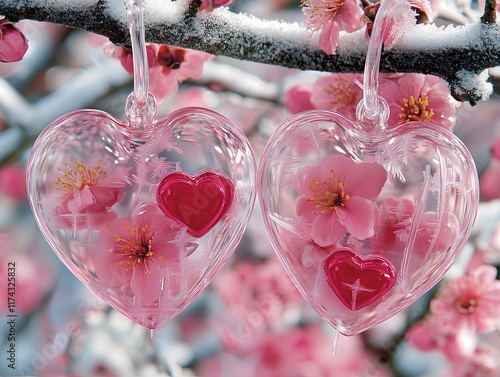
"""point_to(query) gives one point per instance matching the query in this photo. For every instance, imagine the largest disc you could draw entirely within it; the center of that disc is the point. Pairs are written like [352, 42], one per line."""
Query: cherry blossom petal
[192, 66]
[147, 283]
[165, 251]
[104, 198]
[306, 208]
[329, 37]
[109, 272]
[107, 237]
[161, 84]
[365, 180]
[350, 16]
[298, 98]
[339, 164]
[326, 229]
[358, 216]
[303, 183]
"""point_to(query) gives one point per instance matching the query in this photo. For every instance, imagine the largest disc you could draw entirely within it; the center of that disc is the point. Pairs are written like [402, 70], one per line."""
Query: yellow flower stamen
[76, 180]
[329, 194]
[321, 13]
[414, 110]
[136, 249]
[341, 92]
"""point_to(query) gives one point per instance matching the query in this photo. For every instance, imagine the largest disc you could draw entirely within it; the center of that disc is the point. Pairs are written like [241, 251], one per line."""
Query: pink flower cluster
[168, 66]
[464, 309]
[393, 218]
[257, 293]
[300, 352]
[411, 97]
[132, 250]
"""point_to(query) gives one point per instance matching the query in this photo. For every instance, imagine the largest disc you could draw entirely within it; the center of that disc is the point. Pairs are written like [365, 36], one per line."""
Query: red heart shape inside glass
[196, 201]
[358, 281]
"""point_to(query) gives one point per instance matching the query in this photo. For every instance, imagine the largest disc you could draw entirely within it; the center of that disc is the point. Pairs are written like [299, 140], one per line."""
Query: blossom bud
[13, 43]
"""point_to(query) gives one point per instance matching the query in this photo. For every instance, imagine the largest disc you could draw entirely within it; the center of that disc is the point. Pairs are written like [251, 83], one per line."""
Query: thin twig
[490, 12]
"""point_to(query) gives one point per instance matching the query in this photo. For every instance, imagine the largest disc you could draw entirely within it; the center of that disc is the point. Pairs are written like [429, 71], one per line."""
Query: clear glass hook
[373, 110]
[141, 107]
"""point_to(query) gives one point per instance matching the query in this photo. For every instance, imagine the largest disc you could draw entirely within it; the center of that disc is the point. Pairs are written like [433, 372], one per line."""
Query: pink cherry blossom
[298, 98]
[495, 149]
[257, 290]
[417, 97]
[298, 352]
[430, 335]
[395, 217]
[13, 183]
[34, 278]
[484, 363]
[489, 183]
[210, 5]
[470, 301]
[329, 17]
[446, 236]
[13, 43]
[135, 251]
[168, 66]
[338, 92]
[87, 190]
[337, 197]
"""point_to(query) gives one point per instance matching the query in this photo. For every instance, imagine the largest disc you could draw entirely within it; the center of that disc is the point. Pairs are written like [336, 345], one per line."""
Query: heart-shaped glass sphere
[365, 222]
[99, 191]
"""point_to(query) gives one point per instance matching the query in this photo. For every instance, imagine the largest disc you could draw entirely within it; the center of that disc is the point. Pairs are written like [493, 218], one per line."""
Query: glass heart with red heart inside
[144, 216]
[365, 222]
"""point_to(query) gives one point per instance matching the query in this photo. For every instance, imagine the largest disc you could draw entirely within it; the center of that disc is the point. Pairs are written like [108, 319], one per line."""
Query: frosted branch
[456, 53]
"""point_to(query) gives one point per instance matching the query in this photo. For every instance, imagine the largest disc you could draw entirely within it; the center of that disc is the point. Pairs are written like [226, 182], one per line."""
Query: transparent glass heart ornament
[93, 191]
[365, 220]
[144, 211]
[407, 201]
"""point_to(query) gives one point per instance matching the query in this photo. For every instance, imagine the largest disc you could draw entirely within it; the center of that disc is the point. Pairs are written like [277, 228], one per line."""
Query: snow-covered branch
[457, 54]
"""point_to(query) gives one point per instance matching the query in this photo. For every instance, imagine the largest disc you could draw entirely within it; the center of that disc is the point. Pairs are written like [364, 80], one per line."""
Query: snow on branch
[459, 55]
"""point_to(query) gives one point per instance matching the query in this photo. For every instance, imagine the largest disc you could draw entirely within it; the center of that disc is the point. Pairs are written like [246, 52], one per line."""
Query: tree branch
[490, 12]
[457, 54]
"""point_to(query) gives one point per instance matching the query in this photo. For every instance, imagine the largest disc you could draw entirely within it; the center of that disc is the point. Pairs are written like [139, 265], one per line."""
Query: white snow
[431, 36]
[294, 32]
[353, 42]
[477, 84]
[156, 11]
